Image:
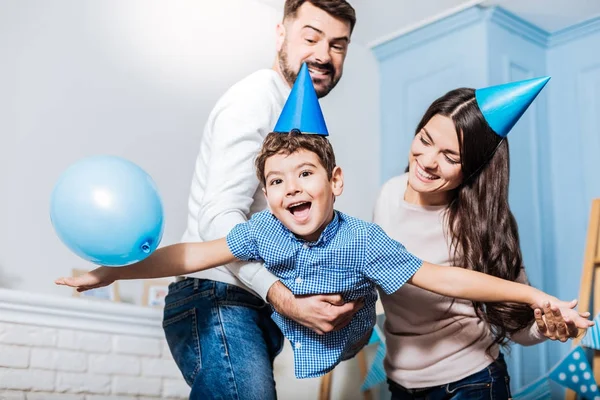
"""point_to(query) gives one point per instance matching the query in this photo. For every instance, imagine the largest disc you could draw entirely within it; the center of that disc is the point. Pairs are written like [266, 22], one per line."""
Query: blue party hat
[503, 105]
[302, 111]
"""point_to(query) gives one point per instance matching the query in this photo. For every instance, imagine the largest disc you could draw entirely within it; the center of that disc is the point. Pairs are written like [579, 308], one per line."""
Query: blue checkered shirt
[351, 257]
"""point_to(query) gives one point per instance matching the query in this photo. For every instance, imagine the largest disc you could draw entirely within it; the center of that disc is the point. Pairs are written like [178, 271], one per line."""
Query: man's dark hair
[340, 9]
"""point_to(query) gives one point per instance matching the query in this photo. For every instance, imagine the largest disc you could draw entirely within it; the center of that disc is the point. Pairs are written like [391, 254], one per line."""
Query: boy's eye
[304, 174]
[275, 182]
[425, 142]
[311, 41]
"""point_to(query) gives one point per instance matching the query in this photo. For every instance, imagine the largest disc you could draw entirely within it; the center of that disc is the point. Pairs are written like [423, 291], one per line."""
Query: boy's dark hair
[288, 143]
[340, 9]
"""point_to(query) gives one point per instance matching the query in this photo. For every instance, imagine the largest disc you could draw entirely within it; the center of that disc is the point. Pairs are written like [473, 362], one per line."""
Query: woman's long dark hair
[483, 230]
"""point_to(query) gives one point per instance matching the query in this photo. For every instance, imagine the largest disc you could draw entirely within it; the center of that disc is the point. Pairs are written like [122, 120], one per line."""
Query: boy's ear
[264, 190]
[337, 181]
[279, 36]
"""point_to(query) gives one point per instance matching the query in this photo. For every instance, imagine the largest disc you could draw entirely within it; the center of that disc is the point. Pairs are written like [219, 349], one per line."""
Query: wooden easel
[325, 389]
[590, 280]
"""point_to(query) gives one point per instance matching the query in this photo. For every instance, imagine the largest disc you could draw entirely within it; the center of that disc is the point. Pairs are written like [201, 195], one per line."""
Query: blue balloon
[107, 210]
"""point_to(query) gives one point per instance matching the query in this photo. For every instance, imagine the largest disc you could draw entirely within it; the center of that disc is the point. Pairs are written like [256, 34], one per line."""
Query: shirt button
[305, 246]
[298, 280]
[298, 345]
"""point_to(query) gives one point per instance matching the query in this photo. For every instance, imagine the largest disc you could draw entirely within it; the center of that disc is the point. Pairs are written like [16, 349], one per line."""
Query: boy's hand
[541, 300]
[99, 277]
[561, 323]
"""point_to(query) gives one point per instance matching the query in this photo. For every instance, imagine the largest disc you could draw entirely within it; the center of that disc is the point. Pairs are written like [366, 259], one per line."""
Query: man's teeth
[315, 71]
[425, 174]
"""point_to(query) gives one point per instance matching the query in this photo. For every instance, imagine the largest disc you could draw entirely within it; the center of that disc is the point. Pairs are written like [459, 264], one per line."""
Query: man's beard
[290, 75]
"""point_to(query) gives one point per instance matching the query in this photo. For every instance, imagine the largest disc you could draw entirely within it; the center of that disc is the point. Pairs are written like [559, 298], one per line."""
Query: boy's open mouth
[300, 210]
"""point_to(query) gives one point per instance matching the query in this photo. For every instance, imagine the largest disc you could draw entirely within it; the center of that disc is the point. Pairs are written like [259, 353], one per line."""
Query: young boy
[315, 249]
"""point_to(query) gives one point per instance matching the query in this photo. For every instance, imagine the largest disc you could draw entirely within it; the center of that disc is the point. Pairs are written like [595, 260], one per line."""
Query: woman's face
[434, 163]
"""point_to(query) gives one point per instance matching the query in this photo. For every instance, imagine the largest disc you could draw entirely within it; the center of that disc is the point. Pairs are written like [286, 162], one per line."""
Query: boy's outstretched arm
[389, 265]
[476, 286]
[173, 260]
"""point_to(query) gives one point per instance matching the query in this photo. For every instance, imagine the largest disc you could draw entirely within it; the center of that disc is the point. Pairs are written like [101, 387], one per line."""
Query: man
[218, 327]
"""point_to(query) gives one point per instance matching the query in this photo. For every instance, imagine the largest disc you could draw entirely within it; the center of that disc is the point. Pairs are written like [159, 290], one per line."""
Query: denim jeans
[490, 383]
[223, 340]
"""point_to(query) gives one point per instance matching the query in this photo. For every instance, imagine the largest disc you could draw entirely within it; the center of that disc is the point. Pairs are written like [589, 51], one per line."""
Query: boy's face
[299, 193]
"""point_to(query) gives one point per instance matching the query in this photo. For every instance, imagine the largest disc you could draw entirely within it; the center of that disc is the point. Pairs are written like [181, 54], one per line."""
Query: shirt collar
[327, 234]
[330, 230]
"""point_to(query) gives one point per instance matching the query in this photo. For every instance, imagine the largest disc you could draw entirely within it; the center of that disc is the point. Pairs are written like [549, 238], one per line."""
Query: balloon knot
[146, 247]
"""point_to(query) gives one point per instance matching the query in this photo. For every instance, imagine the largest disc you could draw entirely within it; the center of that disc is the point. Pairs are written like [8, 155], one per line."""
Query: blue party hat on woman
[503, 105]
[302, 111]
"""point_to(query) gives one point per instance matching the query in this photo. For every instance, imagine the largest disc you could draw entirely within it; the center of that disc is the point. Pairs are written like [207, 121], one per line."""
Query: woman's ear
[337, 181]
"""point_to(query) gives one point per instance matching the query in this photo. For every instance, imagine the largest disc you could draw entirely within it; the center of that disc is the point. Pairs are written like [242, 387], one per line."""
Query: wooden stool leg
[325, 390]
[364, 369]
[590, 282]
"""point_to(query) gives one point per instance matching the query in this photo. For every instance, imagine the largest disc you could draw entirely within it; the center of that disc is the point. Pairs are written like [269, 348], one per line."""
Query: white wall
[137, 79]
[54, 347]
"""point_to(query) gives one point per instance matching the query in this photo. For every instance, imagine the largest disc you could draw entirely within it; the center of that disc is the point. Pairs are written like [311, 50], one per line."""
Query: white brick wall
[10, 395]
[40, 363]
[14, 356]
[61, 348]
[58, 360]
[137, 346]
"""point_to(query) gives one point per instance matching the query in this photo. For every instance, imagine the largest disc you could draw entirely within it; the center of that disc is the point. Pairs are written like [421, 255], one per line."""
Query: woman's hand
[561, 323]
[99, 277]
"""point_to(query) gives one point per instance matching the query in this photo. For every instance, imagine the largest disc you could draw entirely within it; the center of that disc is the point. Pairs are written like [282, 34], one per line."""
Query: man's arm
[237, 129]
[321, 313]
[176, 259]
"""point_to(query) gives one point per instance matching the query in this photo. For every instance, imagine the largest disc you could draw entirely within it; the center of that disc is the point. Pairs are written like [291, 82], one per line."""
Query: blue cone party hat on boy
[302, 111]
[503, 105]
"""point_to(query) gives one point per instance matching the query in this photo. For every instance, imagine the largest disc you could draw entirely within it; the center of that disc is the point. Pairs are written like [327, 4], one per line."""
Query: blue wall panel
[574, 129]
[417, 69]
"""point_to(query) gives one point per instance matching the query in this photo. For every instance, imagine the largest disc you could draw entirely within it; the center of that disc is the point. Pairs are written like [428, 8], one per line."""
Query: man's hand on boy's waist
[322, 313]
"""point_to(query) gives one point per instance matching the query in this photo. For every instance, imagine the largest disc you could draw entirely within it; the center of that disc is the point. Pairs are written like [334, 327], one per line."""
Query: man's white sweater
[225, 190]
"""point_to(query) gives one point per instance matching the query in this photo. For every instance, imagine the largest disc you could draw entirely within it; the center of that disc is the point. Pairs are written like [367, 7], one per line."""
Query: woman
[451, 207]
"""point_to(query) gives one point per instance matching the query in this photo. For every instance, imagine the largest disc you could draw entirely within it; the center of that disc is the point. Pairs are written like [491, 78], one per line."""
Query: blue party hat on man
[503, 105]
[302, 111]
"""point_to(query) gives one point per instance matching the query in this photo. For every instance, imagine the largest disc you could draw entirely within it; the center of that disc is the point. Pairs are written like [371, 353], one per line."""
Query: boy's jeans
[223, 340]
